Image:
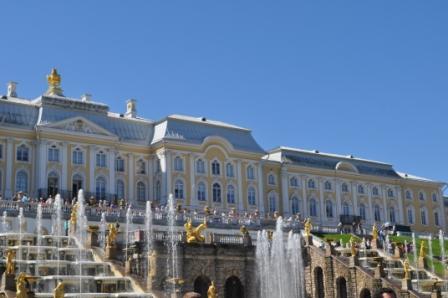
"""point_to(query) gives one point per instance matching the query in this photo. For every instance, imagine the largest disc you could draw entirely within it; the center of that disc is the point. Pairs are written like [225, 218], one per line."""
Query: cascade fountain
[276, 259]
[172, 270]
[148, 233]
[81, 232]
[21, 224]
[5, 222]
[57, 227]
[414, 249]
[430, 254]
[39, 234]
[128, 223]
[443, 255]
[103, 226]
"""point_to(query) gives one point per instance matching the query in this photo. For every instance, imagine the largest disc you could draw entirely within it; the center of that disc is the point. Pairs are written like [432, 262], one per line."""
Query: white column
[338, 198]
[370, 214]
[131, 174]
[305, 199]
[42, 161]
[169, 170]
[355, 198]
[111, 166]
[285, 195]
[92, 155]
[193, 199]
[385, 203]
[9, 161]
[239, 181]
[163, 175]
[400, 205]
[64, 162]
[260, 189]
[321, 200]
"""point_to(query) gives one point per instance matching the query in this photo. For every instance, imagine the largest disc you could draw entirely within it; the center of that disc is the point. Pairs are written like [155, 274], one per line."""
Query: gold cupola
[54, 83]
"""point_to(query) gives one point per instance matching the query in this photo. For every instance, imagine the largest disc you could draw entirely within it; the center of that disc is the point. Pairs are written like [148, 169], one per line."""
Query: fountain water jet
[172, 270]
[414, 249]
[57, 226]
[39, 235]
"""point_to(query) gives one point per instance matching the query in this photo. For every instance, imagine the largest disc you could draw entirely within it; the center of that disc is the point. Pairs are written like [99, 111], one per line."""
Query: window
[360, 189]
[421, 196]
[410, 216]
[271, 179]
[375, 191]
[272, 203]
[178, 164]
[216, 193]
[311, 183]
[345, 209]
[434, 197]
[344, 187]
[251, 198]
[119, 164]
[229, 170]
[295, 205]
[327, 185]
[329, 209]
[408, 195]
[179, 189]
[423, 216]
[200, 166]
[101, 159]
[216, 168]
[436, 218]
[313, 207]
[22, 153]
[22, 181]
[377, 213]
[230, 194]
[141, 167]
[390, 193]
[119, 189]
[250, 173]
[392, 214]
[141, 191]
[158, 166]
[53, 154]
[293, 182]
[77, 157]
[100, 188]
[201, 192]
[362, 211]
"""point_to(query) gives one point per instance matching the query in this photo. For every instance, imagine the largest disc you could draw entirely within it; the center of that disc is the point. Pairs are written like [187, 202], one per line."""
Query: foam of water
[172, 266]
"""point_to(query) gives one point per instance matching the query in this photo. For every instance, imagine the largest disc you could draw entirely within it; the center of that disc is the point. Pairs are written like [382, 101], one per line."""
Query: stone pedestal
[436, 293]
[92, 239]
[329, 249]
[353, 261]
[110, 252]
[379, 271]
[398, 253]
[406, 284]
[8, 282]
[422, 263]
[375, 244]
[309, 240]
[127, 267]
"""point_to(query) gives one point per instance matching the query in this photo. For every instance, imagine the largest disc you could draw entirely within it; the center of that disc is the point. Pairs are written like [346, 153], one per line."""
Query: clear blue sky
[368, 78]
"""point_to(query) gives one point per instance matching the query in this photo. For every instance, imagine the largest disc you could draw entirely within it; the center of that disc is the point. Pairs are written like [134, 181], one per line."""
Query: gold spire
[54, 83]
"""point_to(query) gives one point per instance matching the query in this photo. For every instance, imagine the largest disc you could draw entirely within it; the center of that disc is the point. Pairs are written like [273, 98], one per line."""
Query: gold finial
[54, 83]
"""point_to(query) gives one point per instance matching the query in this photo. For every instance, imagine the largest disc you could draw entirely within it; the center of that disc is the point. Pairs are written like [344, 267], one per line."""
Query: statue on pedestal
[422, 253]
[194, 234]
[353, 249]
[21, 291]
[112, 235]
[374, 232]
[212, 291]
[59, 292]
[406, 269]
[308, 227]
[10, 268]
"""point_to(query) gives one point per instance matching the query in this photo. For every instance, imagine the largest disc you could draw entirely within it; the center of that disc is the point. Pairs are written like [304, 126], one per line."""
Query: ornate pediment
[79, 125]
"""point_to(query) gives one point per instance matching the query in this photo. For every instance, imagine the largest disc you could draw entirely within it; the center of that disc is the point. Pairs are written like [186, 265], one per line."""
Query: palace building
[57, 144]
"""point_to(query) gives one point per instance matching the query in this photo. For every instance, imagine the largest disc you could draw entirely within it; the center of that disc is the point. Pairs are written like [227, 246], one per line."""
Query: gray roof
[18, 113]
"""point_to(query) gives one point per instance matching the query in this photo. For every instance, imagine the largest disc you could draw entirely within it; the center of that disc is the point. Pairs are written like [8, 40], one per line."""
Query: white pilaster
[400, 205]
[321, 200]
[260, 189]
[285, 195]
[385, 218]
[111, 166]
[305, 197]
[92, 163]
[169, 167]
[239, 176]
[131, 177]
[9, 154]
[338, 198]
[64, 162]
[355, 198]
[193, 195]
[42, 161]
[370, 218]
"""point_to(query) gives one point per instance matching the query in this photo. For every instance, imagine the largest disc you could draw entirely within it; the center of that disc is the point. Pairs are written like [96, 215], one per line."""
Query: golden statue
[270, 234]
[10, 268]
[353, 246]
[21, 291]
[374, 232]
[422, 253]
[112, 235]
[406, 269]
[194, 234]
[74, 214]
[308, 227]
[244, 231]
[54, 83]
[212, 291]
[59, 292]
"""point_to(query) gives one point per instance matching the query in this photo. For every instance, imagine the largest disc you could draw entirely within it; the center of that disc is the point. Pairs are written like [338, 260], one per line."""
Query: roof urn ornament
[54, 83]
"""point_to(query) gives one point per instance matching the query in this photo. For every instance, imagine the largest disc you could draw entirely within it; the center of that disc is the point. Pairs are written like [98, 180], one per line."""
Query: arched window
[22, 181]
[360, 189]
[23, 153]
[410, 216]
[329, 209]
[327, 185]
[101, 159]
[293, 182]
[230, 194]
[272, 203]
[295, 205]
[271, 179]
[311, 183]
[434, 197]
[375, 191]
[216, 193]
[119, 164]
[344, 187]
[408, 195]
[201, 192]
[313, 207]
[53, 154]
[141, 167]
[392, 214]
[200, 166]
[436, 218]
[423, 216]
[377, 213]
[345, 209]
[178, 164]
[100, 188]
[141, 191]
[158, 191]
[421, 196]
[250, 173]
[216, 170]
[362, 211]
[390, 193]
[251, 198]
[77, 157]
[229, 170]
[179, 189]
[119, 189]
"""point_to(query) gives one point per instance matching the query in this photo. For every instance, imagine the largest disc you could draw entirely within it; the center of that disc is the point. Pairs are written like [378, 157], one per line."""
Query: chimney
[86, 97]
[131, 109]
[12, 89]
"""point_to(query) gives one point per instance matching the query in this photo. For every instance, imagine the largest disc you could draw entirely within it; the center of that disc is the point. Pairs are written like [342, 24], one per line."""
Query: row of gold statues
[194, 234]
